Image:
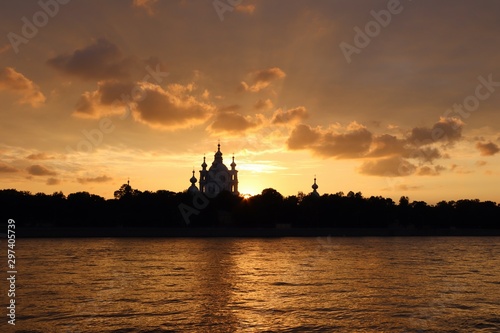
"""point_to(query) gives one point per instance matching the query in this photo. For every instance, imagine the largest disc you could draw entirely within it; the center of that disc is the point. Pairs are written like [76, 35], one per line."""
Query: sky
[387, 98]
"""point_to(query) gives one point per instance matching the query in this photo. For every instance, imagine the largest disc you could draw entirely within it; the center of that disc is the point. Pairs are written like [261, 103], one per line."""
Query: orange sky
[383, 97]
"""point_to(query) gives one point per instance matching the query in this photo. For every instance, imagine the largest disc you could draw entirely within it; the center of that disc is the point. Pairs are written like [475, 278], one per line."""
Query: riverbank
[51, 232]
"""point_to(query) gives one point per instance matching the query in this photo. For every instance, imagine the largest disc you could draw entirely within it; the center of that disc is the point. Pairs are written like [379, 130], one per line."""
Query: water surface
[434, 284]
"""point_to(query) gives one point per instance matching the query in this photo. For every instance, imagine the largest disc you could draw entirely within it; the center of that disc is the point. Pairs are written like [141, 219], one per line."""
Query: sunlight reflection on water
[252, 285]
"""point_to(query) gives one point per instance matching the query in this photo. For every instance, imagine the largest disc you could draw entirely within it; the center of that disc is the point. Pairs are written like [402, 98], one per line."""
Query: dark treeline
[133, 208]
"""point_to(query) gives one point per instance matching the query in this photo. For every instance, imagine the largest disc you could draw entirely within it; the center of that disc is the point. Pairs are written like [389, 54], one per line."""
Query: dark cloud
[176, 106]
[261, 79]
[7, 168]
[108, 98]
[230, 108]
[53, 181]
[388, 167]
[387, 145]
[263, 104]
[20, 85]
[429, 171]
[289, 116]
[233, 122]
[302, 137]
[352, 144]
[171, 108]
[101, 60]
[39, 156]
[487, 149]
[99, 179]
[446, 130]
[40, 170]
[425, 154]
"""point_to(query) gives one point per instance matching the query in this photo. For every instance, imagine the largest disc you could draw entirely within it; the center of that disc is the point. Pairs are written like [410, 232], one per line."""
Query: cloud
[248, 9]
[171, 108]
[146, 5]
[354, 143]
[39, 170]
[262, 79]
[426, 154]
[487, 149]
[20, 85]
[481, 163]
[5, 168]
[447, 130]
[107, 99]
[263, 104]
[429, 171]
[53, 181]
[39, 156]
[5, 48]
[302, 137]
[460, 169]
[99, 179]
[175, 106]
[289, 116]
[101, 60]
[387, 145]
[388, 167]
[233, 122]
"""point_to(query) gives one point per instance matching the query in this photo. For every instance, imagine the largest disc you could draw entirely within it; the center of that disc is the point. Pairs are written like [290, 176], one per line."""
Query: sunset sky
[383, 97]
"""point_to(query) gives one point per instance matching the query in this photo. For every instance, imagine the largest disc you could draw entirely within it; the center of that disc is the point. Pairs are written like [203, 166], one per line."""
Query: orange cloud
[39, 156]
[302, 137]
[101, 60]
[7, 168]
[171, 108]
[446, 130]
[388, 167]
[99, 179]
[263, 104]
[17, 83]
[248, 9]
[289, 116]
[146, 5]
[233, 122]
[487, 149]
[262, 79]
[53, 181]
[40, 170]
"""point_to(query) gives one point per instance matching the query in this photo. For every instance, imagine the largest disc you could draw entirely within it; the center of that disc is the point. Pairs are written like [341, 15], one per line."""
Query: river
[325, 284]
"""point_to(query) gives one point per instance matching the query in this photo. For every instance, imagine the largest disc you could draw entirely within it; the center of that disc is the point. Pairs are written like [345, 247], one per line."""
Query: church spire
[193, 188]
[218, 155]
[233, 165]
[315, 187]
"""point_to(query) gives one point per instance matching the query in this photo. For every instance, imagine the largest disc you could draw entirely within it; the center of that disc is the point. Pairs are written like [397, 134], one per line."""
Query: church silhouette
[217, 178]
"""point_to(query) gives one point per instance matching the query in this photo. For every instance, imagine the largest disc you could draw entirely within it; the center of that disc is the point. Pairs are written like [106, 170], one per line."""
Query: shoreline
[156, 232]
